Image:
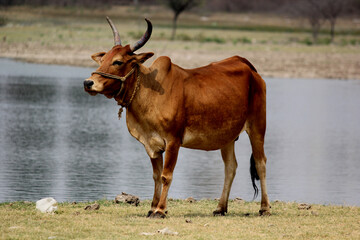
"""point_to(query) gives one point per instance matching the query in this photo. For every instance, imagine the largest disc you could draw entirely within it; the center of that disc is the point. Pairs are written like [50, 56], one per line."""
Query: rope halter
[122, 79]
[108, 75]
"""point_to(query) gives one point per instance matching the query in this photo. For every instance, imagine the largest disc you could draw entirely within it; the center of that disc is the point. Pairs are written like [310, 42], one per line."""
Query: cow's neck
[150, 85]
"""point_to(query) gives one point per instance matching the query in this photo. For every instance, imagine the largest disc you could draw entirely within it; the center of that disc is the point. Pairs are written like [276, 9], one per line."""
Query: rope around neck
[132, 96]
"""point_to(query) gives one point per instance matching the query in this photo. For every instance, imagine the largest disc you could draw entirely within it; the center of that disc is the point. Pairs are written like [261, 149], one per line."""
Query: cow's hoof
[149, 213]
[219, 213]
[157, 215]
[264, 212]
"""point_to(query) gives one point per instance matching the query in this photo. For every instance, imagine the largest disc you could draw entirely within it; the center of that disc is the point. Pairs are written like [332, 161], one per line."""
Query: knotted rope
[108, 75]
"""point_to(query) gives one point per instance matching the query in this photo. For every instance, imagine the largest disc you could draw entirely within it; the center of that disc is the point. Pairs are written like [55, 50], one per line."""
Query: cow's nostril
[88, 83]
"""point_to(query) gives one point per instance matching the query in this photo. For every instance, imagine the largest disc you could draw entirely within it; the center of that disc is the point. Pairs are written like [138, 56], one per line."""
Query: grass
[20, 220]
[71, 26]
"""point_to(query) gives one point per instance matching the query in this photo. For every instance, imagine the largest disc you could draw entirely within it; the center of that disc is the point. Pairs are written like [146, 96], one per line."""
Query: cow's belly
[212, 138]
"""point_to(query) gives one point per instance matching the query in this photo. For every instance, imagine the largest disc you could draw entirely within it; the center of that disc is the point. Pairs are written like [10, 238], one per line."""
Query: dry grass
[276, 46]
[21, 220]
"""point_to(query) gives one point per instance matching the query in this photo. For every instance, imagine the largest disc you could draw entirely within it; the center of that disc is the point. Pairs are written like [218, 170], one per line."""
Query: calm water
[56, 140]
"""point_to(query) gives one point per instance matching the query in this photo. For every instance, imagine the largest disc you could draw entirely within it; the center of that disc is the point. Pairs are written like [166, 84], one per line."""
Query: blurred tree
[311, 12]
[331, 10]
[318, 11]
[179, 6]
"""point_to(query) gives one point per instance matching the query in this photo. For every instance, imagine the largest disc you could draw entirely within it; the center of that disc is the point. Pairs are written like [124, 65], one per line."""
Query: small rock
[304, 206]
[239, 200]
[46, 205]
[314, 213]
[188, 221]
[147, 234]
[14, 227]
[27, 202]
[167, 231]
[127, 198]
[190, 200]
[94, 206]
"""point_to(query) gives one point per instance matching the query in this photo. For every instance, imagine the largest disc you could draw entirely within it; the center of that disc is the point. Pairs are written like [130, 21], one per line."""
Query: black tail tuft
[254, 175]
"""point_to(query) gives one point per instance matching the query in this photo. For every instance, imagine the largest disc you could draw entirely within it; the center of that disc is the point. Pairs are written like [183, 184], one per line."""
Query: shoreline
[275, 64]
[146, 202]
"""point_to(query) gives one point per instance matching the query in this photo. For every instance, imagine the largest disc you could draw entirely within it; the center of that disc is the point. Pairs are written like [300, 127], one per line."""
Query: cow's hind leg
[228, 156]
[259, 160]
[157, 164]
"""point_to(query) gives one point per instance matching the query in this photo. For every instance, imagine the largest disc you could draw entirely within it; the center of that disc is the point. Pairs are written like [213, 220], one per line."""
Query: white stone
[46, 205]
[167, 231]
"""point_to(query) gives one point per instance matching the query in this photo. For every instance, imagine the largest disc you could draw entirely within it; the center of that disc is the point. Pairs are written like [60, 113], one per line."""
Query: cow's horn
[117, 40]
[144, 38]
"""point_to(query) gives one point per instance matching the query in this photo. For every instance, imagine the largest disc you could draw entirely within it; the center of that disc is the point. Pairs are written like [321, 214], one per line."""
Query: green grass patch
[244, 40]
[206, 39]
[258, 28]
[69, 27]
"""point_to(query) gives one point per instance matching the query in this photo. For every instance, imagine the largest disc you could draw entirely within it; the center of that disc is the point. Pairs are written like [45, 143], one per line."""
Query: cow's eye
[117, 62]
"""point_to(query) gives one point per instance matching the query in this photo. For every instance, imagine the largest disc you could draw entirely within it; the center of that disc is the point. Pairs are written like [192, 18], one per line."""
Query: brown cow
[168, 107]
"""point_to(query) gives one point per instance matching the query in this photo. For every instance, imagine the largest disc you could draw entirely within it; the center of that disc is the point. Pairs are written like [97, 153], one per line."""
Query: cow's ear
[142, 57]
[97, 57]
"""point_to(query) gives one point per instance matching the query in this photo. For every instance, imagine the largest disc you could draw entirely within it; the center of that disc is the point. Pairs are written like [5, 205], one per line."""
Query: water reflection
[56, 140]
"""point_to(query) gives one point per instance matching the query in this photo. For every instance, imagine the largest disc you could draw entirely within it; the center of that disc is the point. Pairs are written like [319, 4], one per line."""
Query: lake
[56, 140]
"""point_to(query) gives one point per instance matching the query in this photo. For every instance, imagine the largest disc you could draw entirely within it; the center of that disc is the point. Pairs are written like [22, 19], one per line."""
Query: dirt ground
[269, 63]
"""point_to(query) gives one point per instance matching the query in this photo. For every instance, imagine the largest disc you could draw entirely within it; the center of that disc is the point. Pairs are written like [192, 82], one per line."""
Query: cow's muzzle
[88, 84]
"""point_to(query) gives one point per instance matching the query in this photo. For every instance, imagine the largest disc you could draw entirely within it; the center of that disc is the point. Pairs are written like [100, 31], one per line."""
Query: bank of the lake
[20, 220]
[69, 37]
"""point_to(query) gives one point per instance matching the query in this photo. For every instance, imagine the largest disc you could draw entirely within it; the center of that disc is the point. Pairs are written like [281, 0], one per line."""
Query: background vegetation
[315, 11]
[275, 36]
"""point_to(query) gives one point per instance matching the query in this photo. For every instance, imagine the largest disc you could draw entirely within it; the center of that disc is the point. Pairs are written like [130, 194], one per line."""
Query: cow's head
[118, 62]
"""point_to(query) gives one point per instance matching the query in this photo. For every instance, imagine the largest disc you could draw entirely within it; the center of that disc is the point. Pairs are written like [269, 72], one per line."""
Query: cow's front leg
[171, 154]
[157, 164]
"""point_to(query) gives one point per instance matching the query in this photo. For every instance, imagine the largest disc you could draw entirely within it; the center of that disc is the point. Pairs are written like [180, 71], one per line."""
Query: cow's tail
[254, 175]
